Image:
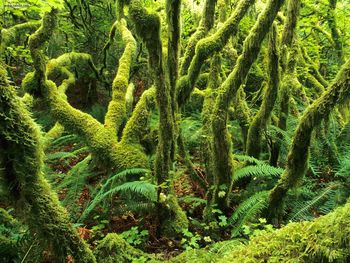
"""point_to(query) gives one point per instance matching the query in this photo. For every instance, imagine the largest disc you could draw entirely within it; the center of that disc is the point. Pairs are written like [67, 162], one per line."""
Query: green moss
[207, 22]
[242, 113]
[116, 113]
[148, 28]
[129, 99]
[326, 239]
[8, 35]
[209, 46]
[31, 83]
[223, 166]
[113, 248]
[259, 123]
[32, 196]
[175, 219]
[55, 132]
[336, 94]
[101, 141]
[195, 103]
[137, 126]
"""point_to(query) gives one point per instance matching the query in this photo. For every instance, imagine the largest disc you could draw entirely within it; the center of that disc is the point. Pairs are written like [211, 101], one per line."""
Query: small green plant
[256, 229]
[135, 237]
[190, 240]
[97, 230]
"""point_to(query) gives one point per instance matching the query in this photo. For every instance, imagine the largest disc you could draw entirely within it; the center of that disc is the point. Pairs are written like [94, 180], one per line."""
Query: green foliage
[75, 181]
[257, 171]
[306, 210]
[190, 240]
[129, 190]
[135, 237]
[248, 211]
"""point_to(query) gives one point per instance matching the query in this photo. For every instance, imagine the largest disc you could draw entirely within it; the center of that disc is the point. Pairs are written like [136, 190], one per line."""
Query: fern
[75, 181]
[144, 189]
[64, 140]
[191, 130]
[247, 159]
[122, 176]
[303, 212]
[257, 171]
[65, 155]
[247, 211]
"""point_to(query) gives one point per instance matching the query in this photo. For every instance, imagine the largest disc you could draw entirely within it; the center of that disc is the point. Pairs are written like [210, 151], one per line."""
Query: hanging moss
[223, 166]
[259, 123]
[207, 47]
[31, 194]
[298, 155]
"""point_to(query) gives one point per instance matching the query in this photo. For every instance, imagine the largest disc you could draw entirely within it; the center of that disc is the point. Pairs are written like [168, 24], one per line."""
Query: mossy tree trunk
[173, 219]
[332, 23]
[336, 95]
[223, 167]
[32, 196]
[287, 61]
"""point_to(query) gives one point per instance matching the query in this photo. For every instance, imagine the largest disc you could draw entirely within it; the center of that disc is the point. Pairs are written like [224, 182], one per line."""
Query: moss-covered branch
[148, 28]
[223, 166]
[332, 23]
[32, 196]
[209, 46]
[288, 62]
[336, 95]
[206, 23]
[258, 125]
[100, 140]
[8, 35]
[116, 113]
[137, 126]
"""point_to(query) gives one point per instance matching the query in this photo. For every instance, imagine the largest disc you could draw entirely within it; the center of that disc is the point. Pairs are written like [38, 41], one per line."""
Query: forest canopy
[174, 131]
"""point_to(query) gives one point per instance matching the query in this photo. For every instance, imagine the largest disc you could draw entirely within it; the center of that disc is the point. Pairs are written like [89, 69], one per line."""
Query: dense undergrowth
[174, 131]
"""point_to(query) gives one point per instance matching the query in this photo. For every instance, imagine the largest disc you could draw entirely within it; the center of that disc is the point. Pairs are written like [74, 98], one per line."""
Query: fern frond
[248, 211]
[301, 214]
[65, 155]
[137, 207]
[122, 176]
[64, 140]
[258, 171]
[146, 189]
[247, 159]
[78, 173]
